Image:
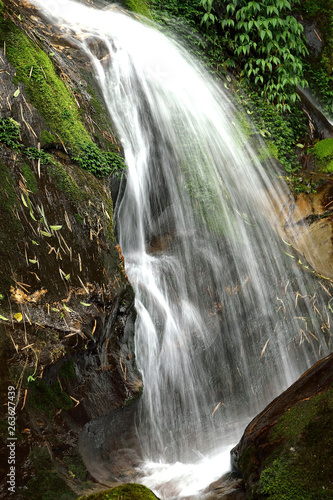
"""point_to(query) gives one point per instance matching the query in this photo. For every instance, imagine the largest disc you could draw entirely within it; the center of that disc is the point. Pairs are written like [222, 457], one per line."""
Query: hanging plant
[265, 44]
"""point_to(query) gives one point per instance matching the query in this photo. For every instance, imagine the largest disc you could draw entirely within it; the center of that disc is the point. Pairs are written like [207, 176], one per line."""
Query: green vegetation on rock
[30, 178]
[44, 87]
[302, 468]
[282, 132]
[264, 43]
[83, 188]
[98, 162]
[75, 465]
[67, 370]
[208, 42]
[66, 182]
[53, 99]
[47, 139]
[323, 153]
[129, 491]
[35, 154]
[139, 6]
[10, 133]
[184, 19]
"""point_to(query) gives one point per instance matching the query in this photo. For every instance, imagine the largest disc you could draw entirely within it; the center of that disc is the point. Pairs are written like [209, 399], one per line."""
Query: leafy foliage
[264, 43]
[10, 133]
[98, 162]
[208, 18]
[206, 39]
[283, 131]
[35, 154]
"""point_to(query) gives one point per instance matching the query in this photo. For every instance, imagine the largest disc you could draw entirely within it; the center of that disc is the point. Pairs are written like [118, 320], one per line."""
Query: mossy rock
[323, 154]
[66, 181]
[303, 471]
[286, 451]
[129, 491]
[45, 89]
[82, 188]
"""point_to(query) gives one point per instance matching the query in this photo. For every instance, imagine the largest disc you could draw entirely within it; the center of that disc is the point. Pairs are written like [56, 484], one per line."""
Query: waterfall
[226, 317]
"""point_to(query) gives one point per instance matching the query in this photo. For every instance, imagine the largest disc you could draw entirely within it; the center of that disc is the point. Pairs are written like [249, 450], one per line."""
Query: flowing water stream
[221, 305]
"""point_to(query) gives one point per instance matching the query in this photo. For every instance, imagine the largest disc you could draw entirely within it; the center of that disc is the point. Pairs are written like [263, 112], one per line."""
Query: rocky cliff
[66, 307]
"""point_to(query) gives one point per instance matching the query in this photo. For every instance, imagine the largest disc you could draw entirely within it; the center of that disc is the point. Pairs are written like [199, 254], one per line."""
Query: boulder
[125, 492]
[286, 451]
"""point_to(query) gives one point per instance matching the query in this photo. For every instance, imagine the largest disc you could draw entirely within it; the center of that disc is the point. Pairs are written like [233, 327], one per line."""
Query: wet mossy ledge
[129, 491]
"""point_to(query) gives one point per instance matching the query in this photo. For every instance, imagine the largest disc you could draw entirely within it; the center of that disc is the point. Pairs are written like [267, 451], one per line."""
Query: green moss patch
[139, 6]
[82, 188]
[66, 370]
[66, 182]
[47, 140]
[303, 471]
[323, 154]
[8, 202]
[75, 466]
[323, 150]
[124, 492]
[30, 178]
[45, 88]
[55, 102]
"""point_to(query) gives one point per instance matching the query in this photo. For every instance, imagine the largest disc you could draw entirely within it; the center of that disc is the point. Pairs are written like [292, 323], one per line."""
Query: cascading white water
[220, 306]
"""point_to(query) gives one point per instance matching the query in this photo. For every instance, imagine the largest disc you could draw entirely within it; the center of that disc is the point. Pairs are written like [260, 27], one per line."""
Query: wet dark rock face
[66, 307]
[110, 448]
